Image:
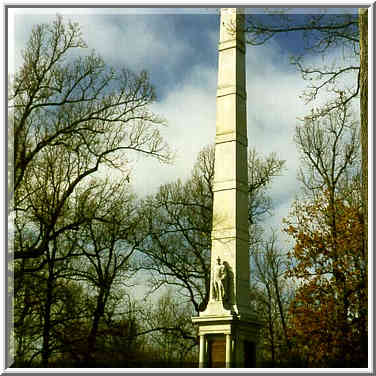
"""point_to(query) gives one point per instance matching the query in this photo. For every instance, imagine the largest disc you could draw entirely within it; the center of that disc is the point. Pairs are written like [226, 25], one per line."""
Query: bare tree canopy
[69, 115]
[323, 33]
[178, 221]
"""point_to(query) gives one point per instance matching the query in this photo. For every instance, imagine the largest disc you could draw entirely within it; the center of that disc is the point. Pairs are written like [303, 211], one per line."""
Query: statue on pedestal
[219, 281]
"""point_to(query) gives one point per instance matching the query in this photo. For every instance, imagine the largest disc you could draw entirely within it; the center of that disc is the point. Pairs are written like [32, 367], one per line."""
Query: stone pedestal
[227, 328]
[227, 341]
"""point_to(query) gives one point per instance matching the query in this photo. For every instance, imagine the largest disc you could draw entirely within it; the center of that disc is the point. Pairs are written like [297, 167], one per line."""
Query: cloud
[190, 111]
[181, 54]
[273, 90]
[274, 107]
[183, 65]
[167, 45]
[132, 40]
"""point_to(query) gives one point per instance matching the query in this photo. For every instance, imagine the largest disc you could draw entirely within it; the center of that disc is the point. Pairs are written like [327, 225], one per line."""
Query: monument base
[227, 341]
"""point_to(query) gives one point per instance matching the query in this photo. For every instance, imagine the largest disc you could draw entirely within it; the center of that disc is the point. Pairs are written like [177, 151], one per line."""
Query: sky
[178, 47]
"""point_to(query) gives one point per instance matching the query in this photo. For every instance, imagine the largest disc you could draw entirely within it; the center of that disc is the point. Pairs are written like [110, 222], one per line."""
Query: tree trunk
[270, 325]
[92, 339]
[363, 31]
[281, 312]
[363, 39]
[271, 332]
[46, 350]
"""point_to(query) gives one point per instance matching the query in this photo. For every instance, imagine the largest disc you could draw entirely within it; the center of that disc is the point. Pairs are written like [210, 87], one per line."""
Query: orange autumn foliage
[328, 323]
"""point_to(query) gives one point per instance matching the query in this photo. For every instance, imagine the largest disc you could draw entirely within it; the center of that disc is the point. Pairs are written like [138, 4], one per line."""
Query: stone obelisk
[227, 328]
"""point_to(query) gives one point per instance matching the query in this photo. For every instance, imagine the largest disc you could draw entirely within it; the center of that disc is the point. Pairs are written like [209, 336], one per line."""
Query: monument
[227, 328]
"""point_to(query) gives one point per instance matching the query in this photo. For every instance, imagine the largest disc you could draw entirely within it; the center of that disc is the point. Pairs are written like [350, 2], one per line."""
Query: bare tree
[327, 225]
[106, 244]
[69, 116]
[321, 32]
[169, 329]
[178, 221]
[273, 297]
[329, 149]
[82, 111]
[363, 78]
[324, 32]
[261, 171]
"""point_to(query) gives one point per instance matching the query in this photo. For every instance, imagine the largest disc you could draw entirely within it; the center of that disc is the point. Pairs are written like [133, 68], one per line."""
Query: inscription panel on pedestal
[217, 352]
